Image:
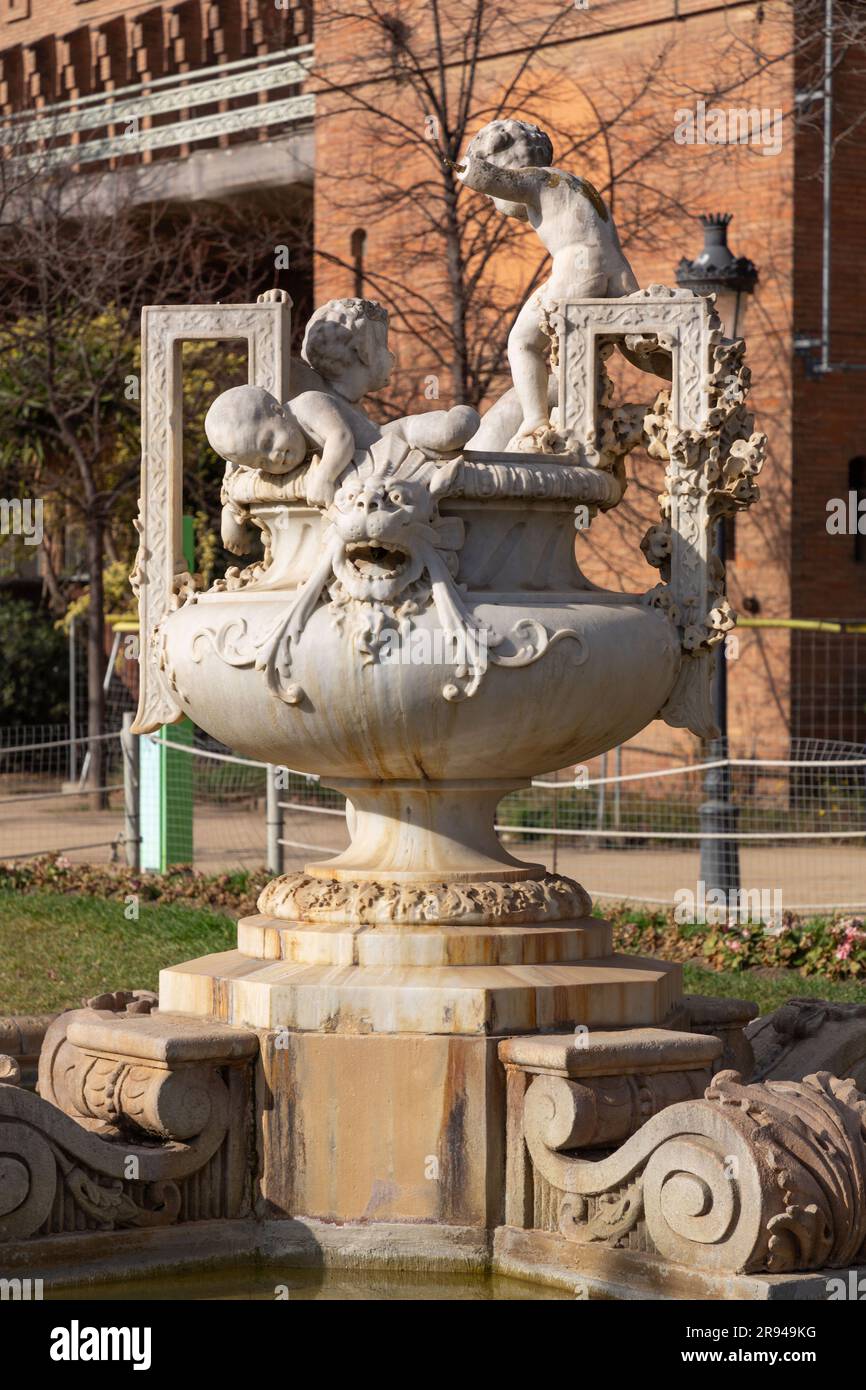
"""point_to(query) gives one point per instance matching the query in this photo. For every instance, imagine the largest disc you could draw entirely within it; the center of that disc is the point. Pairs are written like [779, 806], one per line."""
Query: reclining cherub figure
[510, 161]
[346, 349]
[249, 428]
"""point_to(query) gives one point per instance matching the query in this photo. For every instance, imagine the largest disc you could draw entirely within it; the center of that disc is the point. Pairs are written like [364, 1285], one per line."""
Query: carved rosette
[768, 1177]
[303, 898]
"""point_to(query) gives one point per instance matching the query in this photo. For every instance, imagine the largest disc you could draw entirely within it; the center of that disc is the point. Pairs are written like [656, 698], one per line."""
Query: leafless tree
[80, 257]
[417, 82]
[417, 91]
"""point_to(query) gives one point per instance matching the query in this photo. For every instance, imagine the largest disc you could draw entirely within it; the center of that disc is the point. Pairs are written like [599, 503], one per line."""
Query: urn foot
[424, 853]
[421, 832]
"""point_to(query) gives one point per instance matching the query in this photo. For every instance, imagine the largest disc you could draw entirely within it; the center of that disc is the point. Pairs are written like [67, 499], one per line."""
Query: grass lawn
[769, 988]
[57, 949]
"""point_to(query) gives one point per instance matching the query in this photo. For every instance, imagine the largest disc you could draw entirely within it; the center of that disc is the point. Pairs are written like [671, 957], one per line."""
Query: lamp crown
[716, 267]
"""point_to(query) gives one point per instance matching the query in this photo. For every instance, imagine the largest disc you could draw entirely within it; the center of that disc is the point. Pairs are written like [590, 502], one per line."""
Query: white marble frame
[266, 329]
[680, 315]
[689, 324]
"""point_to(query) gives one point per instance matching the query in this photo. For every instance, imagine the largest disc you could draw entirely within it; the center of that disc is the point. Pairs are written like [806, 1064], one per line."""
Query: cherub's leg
[526, 357]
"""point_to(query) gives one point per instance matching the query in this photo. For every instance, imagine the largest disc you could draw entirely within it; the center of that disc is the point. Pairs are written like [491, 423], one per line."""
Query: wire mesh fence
[47, 802]
[229, 798]
[637, 835]
[628, 825]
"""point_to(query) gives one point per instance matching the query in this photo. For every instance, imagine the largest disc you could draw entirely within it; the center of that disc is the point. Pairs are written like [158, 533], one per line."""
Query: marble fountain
[424, 1053]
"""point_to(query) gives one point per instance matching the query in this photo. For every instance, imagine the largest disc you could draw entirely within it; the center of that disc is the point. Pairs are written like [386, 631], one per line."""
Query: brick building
[227, 97]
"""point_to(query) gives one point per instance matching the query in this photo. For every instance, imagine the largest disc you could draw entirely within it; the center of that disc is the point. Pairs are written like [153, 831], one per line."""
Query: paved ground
[231, 836]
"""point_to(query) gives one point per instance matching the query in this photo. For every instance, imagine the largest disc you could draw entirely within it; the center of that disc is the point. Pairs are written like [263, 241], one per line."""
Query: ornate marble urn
[418, 633]
[426, 641]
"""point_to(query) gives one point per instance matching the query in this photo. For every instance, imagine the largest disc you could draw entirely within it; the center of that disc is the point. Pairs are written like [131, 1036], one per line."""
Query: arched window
[857, 487]
[357, 243]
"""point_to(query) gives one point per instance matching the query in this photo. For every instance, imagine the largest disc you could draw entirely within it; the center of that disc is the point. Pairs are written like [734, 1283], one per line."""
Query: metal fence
[627, 825]
[167, 115]
[46, 805]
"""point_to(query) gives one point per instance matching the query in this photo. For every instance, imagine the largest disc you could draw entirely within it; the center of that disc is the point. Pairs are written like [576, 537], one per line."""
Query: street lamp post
[716, 270]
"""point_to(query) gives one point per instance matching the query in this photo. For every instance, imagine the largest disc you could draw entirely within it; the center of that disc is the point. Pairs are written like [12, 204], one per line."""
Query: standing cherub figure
[510, 161]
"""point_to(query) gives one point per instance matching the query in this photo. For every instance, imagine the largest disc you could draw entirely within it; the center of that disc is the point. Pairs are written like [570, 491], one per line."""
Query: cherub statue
[346, 344]
[346, 354]
[249, 428]
[510, 161]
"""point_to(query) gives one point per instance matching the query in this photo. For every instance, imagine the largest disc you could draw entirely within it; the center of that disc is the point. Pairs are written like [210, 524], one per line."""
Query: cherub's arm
[511, 185]
[325, 428]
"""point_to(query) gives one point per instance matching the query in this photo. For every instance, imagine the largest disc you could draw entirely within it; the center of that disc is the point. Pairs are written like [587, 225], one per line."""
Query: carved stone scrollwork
[302, 898]
[768, 1177]
[141, 1120]
[805, 1035]
[28, 1171]
[710, 474]
[50, 1168]
[132, 1096]
[599, 1111]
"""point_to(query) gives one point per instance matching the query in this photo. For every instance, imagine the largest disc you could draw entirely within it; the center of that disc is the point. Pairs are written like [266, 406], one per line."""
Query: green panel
[189, 542]
[176, 796]
[166, 779]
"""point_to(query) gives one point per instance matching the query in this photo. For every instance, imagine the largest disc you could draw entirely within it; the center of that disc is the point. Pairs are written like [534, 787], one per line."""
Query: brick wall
[614, 56]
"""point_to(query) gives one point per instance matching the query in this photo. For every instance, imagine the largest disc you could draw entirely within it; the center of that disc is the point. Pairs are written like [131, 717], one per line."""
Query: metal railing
[632, 836]
[69, 131]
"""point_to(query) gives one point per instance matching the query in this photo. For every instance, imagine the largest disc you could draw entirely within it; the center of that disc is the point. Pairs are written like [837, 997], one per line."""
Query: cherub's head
[512, 144]
[346, 342]
[246, 425]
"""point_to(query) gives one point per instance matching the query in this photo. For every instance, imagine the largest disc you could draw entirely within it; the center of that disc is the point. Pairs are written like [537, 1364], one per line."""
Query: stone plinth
[440, 979]
[381, 1094]
[382, 1128]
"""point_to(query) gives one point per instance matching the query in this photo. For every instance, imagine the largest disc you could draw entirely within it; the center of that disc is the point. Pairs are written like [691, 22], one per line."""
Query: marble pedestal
[381, 1096]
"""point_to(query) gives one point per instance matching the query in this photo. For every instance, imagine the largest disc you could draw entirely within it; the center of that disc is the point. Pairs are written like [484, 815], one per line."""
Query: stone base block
[597, 1271]
[381, 1128]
